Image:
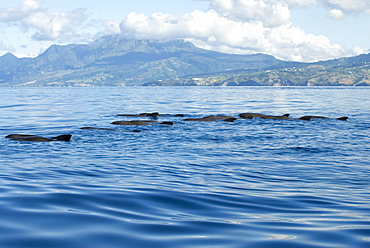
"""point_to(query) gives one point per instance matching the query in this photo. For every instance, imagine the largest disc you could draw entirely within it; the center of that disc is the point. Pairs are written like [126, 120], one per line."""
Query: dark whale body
[231, 119]
[36, 138]
[218, 117]
[106, 129]
[251, 115]
[344, 118]
[133, 123]
[166, 123]
[213, 118]
[263, 116]
[153, 115]
[280, 117]
[131, 115]
[98, 128]
[285, 117]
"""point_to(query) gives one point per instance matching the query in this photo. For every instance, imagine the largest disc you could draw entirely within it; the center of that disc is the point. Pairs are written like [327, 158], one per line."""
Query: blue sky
[299, 30]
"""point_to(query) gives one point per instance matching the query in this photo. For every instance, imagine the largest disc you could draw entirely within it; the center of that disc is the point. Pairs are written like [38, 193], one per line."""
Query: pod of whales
[213, 118]
[36, 138]
[155, 115]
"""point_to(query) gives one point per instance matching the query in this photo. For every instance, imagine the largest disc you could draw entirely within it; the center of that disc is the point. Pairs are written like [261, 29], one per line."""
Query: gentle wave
[250, 183]
[101, 217]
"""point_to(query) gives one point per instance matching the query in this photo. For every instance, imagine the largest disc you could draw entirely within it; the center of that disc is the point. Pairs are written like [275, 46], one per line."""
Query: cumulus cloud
[240, 26]
[271, 13]
[5, 47]
[233, 26]
[349, 7]
[336, 14]
[31, 16]
[337, 9]
[280, 8]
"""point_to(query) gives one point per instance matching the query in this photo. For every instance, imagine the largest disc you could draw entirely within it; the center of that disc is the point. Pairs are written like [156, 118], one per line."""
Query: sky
[294, 30]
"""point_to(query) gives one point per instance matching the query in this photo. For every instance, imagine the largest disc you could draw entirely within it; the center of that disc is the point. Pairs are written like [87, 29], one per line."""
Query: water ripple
[250, 183]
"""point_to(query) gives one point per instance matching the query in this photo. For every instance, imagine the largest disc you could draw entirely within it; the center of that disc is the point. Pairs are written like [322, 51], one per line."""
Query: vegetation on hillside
[116, 61]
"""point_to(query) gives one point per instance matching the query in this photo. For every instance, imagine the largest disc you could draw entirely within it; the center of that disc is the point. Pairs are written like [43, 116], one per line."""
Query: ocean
[248, 183]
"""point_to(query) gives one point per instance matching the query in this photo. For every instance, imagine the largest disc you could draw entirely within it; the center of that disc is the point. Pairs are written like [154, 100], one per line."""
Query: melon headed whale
[36, 138]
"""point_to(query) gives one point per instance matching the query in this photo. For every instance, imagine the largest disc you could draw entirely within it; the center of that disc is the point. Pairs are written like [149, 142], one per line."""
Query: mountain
[117, 61]
[114, 60]
[351, 71]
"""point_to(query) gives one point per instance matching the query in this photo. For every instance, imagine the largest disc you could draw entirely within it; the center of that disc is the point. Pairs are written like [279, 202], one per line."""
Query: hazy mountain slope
[114, 60]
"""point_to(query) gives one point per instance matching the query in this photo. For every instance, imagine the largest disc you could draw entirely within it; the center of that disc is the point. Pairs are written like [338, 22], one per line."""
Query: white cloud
[270, 12]
[300, 3]
[352, 6]
[27, 5]
[336, 14]
[111, 27]
[347, 7]
[225, 29]
[4, 47]
[234, 26]
[31, 17]
[276, 8]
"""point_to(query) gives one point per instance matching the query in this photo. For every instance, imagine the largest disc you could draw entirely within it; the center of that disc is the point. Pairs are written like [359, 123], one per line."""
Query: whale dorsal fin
[344, 118]
[64, 137]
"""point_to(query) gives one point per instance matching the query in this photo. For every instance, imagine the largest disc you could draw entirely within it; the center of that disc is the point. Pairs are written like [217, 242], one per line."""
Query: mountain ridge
[117, 61]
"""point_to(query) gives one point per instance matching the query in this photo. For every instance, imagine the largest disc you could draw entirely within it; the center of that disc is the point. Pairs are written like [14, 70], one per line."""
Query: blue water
[251, 183]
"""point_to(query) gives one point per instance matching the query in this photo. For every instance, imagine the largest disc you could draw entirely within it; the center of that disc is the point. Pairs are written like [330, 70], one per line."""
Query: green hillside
[117, 61]
[324, 73]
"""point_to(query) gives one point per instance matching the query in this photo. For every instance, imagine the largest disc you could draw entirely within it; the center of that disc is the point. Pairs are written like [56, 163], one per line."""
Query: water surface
[250, 183]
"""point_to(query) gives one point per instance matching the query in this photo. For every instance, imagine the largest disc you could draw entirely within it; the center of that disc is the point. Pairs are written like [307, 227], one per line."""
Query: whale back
[276, 117]
[344, 118]
[28, 137]
[250, 115]
[36, 138]
[133, 123]
[64, 137]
